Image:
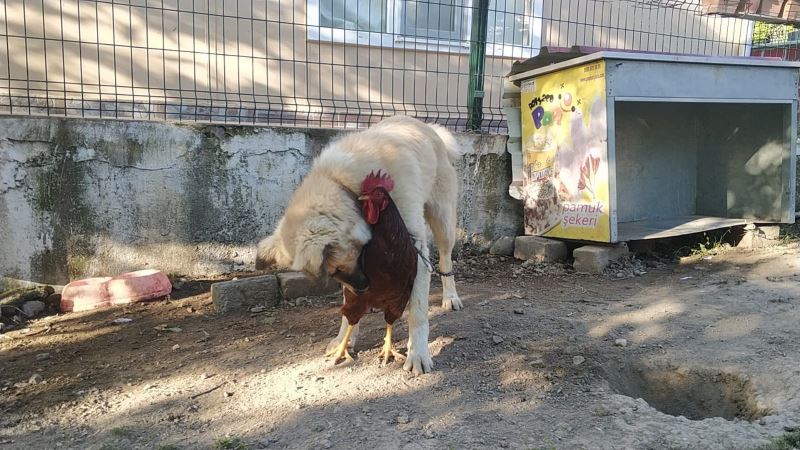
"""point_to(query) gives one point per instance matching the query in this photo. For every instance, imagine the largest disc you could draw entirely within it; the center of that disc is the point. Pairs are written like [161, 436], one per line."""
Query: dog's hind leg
[441, 218]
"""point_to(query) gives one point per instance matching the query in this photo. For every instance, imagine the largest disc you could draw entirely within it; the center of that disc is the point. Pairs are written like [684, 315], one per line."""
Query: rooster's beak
[361, 198]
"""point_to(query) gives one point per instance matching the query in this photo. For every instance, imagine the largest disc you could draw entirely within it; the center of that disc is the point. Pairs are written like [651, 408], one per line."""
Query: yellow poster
[565, 154]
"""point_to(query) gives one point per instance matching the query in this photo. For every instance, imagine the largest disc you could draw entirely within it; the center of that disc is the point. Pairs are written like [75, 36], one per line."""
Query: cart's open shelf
[684, 168]
[620, 146]
[673, 226]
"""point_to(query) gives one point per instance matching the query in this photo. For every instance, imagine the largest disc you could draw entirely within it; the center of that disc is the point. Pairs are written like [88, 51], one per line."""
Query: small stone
[176, 347]
[228, 394]
[497, 339]
[325, 443]
[35, 379]
[403, 419]
[578, 360]
[53, 303]
[519, 311]
[190, 309]
[429, 434]
[620, 275]
[33, 308]
[601, 411]
[621, 342]
[258, 309]
[42, 356]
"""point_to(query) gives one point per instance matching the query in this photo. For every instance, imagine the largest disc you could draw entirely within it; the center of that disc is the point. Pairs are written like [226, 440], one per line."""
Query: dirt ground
[535, 360]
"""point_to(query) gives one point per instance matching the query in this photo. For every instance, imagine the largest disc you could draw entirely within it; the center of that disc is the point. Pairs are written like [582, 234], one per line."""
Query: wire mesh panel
[314, 63]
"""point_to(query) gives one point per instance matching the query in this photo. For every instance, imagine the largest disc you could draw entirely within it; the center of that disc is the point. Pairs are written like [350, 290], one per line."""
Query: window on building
[514, 26]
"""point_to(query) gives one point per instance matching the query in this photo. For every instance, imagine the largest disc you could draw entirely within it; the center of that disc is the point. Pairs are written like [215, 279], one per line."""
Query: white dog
[323, 231]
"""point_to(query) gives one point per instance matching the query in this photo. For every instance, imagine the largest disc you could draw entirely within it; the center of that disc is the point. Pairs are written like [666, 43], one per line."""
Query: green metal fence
[315, 63]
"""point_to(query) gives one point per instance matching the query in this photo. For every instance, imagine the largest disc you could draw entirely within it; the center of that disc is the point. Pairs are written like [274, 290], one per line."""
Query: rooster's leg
[388, 350]
[340, 352]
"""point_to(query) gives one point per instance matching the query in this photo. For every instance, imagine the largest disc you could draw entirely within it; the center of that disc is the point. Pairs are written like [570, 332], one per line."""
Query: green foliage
[787, 441]
[230, 443]
[764, 33]
[709, 246]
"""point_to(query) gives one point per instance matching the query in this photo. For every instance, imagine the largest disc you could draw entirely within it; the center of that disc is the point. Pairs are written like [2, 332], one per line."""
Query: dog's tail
[450, 144]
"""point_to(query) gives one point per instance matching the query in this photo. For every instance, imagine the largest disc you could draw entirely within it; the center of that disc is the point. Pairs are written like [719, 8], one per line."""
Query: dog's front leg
[419, 357]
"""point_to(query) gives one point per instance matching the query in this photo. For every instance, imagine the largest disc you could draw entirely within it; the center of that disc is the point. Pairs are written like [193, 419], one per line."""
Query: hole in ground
[693, 393]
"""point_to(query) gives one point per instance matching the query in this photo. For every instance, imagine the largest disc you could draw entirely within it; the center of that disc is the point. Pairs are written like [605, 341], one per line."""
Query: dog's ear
[269, 253]
[310, 257]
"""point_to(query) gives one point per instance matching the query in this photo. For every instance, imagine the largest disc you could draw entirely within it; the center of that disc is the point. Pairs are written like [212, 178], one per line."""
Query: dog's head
[322, 233]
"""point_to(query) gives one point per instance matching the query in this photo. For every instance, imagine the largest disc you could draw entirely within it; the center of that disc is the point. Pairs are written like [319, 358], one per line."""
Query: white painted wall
[94, 197]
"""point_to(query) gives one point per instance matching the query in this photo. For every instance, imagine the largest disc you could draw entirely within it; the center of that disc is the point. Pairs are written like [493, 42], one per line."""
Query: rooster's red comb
[376, 180]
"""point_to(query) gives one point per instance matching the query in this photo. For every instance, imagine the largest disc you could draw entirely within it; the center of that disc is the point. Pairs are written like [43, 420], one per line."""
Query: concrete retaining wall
[99, 197]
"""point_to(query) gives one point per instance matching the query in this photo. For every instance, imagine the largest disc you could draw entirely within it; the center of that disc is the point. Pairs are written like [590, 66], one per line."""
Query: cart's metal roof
[659, 57]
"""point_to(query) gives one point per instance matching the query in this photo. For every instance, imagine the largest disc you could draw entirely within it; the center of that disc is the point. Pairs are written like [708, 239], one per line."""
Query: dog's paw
[418, 363]
[452, 303]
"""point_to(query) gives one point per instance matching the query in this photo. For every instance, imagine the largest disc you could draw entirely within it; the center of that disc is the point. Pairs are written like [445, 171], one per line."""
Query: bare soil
[535, 360]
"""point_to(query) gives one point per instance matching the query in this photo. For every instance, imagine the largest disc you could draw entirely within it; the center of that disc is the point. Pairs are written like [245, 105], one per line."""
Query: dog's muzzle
[357, 281]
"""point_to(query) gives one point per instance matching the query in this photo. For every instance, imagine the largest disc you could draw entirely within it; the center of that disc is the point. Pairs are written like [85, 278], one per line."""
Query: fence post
[477, 61]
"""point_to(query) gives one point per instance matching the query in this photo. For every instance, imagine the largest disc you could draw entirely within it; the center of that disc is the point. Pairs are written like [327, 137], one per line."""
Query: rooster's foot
[340, 352]
[388, 350]
[388, 353]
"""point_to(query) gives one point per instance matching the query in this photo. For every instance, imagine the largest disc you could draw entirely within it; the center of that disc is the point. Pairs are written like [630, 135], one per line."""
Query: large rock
[595, 258]
[503, 246]
[539, 249]
[296, 284]
[241, 295]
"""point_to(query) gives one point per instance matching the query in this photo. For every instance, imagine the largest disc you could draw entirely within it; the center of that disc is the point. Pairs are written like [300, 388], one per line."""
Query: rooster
[389, 261]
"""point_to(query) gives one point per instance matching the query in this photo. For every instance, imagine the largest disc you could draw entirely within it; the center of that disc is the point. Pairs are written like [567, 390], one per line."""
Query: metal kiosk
[620, 146]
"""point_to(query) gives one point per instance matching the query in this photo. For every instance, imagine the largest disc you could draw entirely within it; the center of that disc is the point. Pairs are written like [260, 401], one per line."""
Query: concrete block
[296, 284]
[503, 246]
[595, 258]
[539, 249]
[760, 236]
[770, 232]
[241, 295]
